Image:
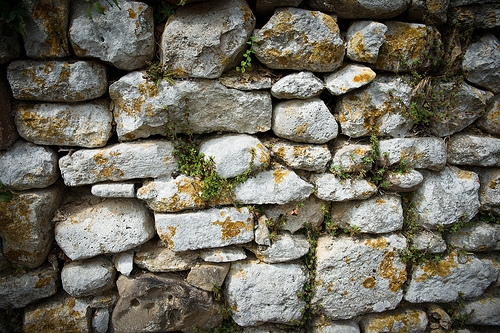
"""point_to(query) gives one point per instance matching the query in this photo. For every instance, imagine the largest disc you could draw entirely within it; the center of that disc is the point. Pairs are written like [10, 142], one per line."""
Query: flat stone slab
[205, 229]
[88, 277]
[348, 78]
[114, 190]
[404, 182]
[364, 39]
[223, 254]
[406, 320]
[284, 248]
[331, 188]
[465, 149]
[478, 237]
[155, 256]
[483, 310]
[300, 85]
[302, 156]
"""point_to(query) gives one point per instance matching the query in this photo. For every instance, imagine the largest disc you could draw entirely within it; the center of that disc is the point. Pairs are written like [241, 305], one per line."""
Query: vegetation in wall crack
[156, 72]
[489, 218]
[11, 320]
[458, 320]
[165, 9]
[227, 325]
[247, 56]
[98, 7]
[5, 194]
[13, 15]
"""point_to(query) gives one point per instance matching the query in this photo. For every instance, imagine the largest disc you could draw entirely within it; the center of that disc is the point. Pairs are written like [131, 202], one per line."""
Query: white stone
[404, 320]
[114, 190]
[479, 236]
[100, 321]
[331, 188]
[349, 77]
[465, 149]
[335, 326]
[429, 241]
[351, 158]
[483, 310]
[302, 156]
[155, 256]
[261, 233]
[404, 182]
[480, 61]
[489, 191]
[284, 248]
[490, 121]
[88, 277]
[300, 85]
[124, 262]
[364, 39]
[223, 254]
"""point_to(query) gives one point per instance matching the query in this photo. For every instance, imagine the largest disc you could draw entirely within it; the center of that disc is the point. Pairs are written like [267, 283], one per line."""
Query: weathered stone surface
[323, 325]
[211, 35]
[439, 318]
[331, 188]
[444, 280]
[490, 121]
[123, 161]
[122, 225]
[483, 310]
[86, 124]
[307, 120]
[464, 149]
[478, 237]
[349, 77]
[404, 320]
[20, 289]
[350, 158]
[278, 186]
[404, 182]
[405, 43]
[258, 292]
[300, 85]
[124, 262]
[25, 225]
[57, 81]
[359, 9]
[476, 17]
[267, 7]
[422, 153]
[297, 215]
[302, 156]
[256, 77]
[25, 166]
[300, 39]
[284, 248]
[88, 277]
[223, 254]
[206, 275]
[155, 256]
[469, 104]
[233, 154]
[377, 215]
[46, 28]
[205, 229]
[123, 37]
[142, 109]
[273, 328]
[370, 109]
[431, 12]
[429, 241]
[161, 303]
[10, 43]
[261, 233]
[376, 285]
[489, 191]
[4, 263]
[114, 190]
[100, 321]
[364, 39]
[8, 132]
[479, 63]
[58, 314]
[446, 197]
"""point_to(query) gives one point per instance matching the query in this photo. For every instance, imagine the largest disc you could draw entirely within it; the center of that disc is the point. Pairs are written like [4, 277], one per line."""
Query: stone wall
[364, 170]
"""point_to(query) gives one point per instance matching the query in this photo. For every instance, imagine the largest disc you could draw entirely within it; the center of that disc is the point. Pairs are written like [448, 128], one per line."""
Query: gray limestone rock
[358, 275]
[261, 233]
[8, 131]
[331, 188]
[490, 121]
[25, 166]
[234, 154]
[223, 254]
[10, 43]
[404, 320]
[323, 325]
[123, 37]
[114, 190]
[207, 275]
[155, 256]
[359, 9]
[489, 191]
[349, 77]
[480, 61]
[205, 229]
[465, 149]
[117, 162]
[122, 225]
[307, 121]
[87, 124]
[300, 85]
[364, 39]
[404, 182]
[284, 248]
[300, 39]
[20, 289]
[88, 277]
[57, 81]
[483, 310]
[142, 109]
[446, 197]
[302, 156]
[481, 16]
[124, 262]
[444, 280]
[279, 186]
[371, 109]
[351, 158]
[478, 237]
[256, 77]
[212, 35]
[429, 241]
[258, 292]
[100, 321]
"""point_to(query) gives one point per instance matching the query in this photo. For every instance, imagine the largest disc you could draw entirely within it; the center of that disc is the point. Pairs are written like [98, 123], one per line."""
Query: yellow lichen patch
[130, 107]
[399, 322]
[43, 281]
[63, 76]
[108, 172]
[299, 130]
[129, 136]
[31, 74]
[239, 274]
[387, 271]
[100, 159]
[380, 201]
[369, 282]
[50, 14]
[377, 243]
[264, 157]
[148, 89]
[229, 228]
[281, 152]
[364, 77]
[357, 46]
[300, 151]
[114, 153]
[49, 66]
[166, 237]
[279, 175]
[441, 268]
[462, 174]
[131, 13]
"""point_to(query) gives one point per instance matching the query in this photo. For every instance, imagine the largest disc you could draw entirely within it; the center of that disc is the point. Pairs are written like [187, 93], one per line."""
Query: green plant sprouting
[458, 320]
[5, 194]
[165, 9]
[247, 61]
[157, 72]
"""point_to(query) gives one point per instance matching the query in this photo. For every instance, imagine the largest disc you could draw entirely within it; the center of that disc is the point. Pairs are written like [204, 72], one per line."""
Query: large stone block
[301, 85]
[359, 9]
[331, 188]
[348, 78]
[404, 320]
[466, 149]
[88, 277]
[302, 156]
[490, 121]
[364, 39]
[479, 63]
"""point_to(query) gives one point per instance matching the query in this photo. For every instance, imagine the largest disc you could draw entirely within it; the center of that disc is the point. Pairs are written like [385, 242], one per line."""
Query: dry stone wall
[361, 151]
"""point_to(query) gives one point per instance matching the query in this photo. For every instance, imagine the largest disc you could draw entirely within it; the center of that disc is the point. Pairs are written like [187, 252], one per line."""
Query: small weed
[156, 72]
[330, 227]
[164, 10]
[460, 224]
[458, 321]
[489, 218]
[5, 195]
[13, 15]
[247, 61]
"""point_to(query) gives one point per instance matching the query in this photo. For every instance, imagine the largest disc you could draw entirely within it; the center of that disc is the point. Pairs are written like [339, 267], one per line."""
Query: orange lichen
[369, 282]
[131, 13]
[166, 237]
[229, 228]
[387, 271]
[441, 268]
[279, 175]
[462, 174]
[377, 243]
[299, 130]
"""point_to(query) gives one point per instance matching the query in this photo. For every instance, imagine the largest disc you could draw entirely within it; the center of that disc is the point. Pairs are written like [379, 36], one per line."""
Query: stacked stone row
[100, 206]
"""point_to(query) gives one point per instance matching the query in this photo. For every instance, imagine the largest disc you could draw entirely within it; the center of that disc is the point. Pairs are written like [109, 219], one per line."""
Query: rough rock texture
[370, 109]
[483, 310]
[479, 63]
[114, 190]
[256, 77]
[404, 182]
[348, 78]
[223, 254]
[446, 197]
[109, 226]
[85, 124]
[405, 320]
[10, 43]
[57, 81]
[258, 292]
[465, 149]
[300, 39]
[422, 153]
[378, 215]
[46, 28]
[489, 191]
[432, 12]
[205, 229]
[234, 154]
[100, 321]
[148, 159]
[331, 188]
[160, 303]
[88, 277]
[364, 39]
[429, 241]
[350, 157]
[307, 120]
[25, 225]
[300, 85]
[479, 236]
[8, 132]
[375, 287]
[19, 290]
[482, 16]
[124, 262]
[490, 121]
[278, 186]
[359, 9]
[123, 37]
[302, 156]
[142, 109]
[155, 256]
[444, 280]
[284, 248]
[25, 166]
[323, 325]
[207, 275]
[212, 36]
